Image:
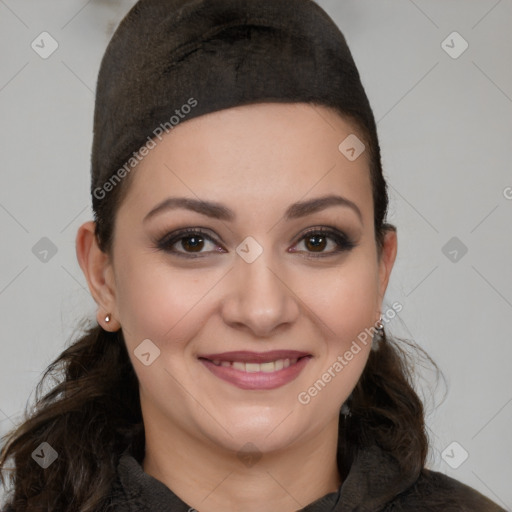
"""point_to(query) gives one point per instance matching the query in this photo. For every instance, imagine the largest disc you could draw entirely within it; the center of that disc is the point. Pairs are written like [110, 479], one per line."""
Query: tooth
[279, 364]
[252, 367]
[268, 367]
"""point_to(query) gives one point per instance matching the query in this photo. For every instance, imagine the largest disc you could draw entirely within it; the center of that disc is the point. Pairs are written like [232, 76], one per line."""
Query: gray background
[445, 127]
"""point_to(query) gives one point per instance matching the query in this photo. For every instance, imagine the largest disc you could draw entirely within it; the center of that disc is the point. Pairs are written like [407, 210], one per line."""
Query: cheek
[345, 304]
[344, 298]
[159, 302]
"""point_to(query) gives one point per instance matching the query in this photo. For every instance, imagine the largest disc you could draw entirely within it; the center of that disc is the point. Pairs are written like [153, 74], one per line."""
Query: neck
[211, 479]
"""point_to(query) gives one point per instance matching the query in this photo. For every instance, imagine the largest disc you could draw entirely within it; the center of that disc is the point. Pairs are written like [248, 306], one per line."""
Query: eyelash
[343, 242]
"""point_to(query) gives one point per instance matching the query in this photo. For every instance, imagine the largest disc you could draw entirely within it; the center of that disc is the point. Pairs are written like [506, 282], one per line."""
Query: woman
[239, 257]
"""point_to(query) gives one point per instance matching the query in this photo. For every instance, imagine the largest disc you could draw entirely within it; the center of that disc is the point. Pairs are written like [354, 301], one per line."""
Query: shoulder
[434, 491]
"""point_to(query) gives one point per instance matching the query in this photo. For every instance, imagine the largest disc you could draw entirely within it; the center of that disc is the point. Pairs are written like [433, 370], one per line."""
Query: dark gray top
[373, 484]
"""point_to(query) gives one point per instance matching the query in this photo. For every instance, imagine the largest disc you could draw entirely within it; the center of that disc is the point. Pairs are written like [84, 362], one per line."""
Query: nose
[259, 298]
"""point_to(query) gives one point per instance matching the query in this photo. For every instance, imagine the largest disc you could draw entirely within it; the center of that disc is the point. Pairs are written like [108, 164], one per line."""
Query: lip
[257, 380]
[246, 356]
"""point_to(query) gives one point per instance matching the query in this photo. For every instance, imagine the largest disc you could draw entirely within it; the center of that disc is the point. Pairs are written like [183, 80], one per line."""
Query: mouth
[253, 370]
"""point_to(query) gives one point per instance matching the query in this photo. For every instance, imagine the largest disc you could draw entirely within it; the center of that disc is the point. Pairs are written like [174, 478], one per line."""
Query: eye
[316, 240]
[191, 240]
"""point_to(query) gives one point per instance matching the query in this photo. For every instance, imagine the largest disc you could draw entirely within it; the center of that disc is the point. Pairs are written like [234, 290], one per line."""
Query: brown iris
[318, 246]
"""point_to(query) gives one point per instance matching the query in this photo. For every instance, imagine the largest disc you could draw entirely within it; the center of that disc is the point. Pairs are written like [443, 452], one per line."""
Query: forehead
[272, 152]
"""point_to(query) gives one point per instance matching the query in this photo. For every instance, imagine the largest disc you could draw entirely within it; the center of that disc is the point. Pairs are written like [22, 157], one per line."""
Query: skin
[256, 160]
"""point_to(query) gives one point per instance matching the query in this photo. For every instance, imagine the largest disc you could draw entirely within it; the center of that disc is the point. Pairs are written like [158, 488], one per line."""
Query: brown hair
[93, 412]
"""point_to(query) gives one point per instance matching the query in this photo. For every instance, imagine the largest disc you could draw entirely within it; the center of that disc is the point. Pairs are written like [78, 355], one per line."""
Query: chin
[264, 434]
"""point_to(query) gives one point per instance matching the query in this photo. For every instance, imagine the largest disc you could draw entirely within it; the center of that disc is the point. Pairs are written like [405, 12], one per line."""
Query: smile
[253, 375]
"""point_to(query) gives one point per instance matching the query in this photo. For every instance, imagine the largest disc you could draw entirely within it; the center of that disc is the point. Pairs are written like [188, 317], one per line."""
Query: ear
[386, 261]
[98, 271]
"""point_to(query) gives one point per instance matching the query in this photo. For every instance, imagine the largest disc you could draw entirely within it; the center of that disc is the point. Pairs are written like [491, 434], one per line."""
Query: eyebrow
[221, 212]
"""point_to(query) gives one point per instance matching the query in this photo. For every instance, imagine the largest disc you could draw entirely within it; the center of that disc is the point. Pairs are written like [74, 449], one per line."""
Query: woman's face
[250, 281]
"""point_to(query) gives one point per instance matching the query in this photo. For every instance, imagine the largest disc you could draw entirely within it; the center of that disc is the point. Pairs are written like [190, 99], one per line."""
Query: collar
[374, 479]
